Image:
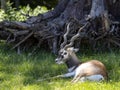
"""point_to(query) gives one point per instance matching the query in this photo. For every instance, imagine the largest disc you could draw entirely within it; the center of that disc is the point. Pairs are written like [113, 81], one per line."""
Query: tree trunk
[46, 30]
[17, 3]
[3, 4]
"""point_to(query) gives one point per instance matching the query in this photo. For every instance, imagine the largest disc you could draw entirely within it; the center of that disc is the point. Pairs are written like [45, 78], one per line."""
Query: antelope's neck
[73, 62]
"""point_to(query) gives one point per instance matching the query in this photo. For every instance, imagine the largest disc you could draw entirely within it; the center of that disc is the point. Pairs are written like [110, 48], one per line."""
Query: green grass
[20, 72]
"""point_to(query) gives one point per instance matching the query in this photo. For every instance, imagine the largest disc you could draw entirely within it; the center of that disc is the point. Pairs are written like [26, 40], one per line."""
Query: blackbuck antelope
[92, 70]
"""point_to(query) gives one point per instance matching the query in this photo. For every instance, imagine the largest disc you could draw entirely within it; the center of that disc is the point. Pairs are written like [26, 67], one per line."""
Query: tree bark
[47, 30]
[17, 3]
[3, 4]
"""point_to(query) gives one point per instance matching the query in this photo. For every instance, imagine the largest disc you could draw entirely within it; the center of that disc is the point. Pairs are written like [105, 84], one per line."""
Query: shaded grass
[20, 72]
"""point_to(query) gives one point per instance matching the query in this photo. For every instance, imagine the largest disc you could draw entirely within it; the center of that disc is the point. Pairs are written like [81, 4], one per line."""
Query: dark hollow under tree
[100, 18]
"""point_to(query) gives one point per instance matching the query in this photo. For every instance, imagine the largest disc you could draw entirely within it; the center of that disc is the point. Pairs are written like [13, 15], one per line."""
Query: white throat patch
[71, 69]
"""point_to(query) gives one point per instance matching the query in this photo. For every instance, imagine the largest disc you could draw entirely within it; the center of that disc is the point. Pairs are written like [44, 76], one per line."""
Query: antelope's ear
[76, 49]
[73, 49]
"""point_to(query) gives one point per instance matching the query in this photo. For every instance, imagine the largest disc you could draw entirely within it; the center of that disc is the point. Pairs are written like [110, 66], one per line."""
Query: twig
[113, 41]
[27, 15]
[49, 78]
[23, 40]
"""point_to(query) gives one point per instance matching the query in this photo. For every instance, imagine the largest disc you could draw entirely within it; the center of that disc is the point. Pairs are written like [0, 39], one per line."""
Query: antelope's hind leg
[76, 79]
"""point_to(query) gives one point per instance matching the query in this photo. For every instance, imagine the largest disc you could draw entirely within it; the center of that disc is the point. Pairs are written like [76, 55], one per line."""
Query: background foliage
[20, 15]
[20, 72]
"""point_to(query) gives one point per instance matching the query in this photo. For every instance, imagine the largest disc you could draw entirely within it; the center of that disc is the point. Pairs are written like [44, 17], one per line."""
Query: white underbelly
[97, 77]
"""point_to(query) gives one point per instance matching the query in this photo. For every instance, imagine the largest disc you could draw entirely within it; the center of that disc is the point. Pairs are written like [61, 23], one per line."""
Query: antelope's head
[65, 54]
[66, 51]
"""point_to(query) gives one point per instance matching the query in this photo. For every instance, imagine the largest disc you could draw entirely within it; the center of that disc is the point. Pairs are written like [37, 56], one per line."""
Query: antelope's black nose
[56, 60]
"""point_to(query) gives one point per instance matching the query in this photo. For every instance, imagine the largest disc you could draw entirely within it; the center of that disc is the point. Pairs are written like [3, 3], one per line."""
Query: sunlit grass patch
[23, 72]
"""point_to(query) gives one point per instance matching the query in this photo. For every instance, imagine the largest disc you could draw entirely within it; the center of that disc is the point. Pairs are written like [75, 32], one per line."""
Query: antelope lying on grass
[92, 70]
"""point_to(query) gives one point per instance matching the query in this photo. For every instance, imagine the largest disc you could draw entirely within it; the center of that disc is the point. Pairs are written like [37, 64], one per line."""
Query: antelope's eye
[60, 53]
[65, 53]
[62, 56]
